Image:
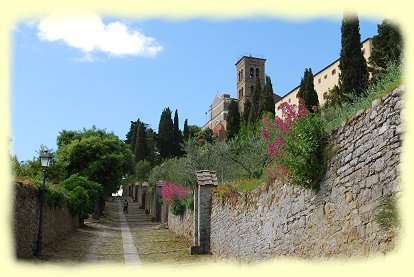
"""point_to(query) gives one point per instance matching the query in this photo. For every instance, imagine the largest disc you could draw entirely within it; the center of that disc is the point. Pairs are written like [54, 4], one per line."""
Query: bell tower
[248, 68]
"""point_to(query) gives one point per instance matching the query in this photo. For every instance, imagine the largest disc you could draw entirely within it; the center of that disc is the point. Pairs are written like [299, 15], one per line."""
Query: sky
[73, 73]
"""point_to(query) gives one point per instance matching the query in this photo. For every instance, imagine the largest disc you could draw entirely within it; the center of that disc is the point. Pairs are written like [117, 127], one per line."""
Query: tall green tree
[307, 90]
[354, 72]
[141, 151]
[97, 155]
[246, 112]
[387, 47]
[178, 140]
[254, 111]
[233, 120]
[186, 130]
[166, 144]
[266, 100]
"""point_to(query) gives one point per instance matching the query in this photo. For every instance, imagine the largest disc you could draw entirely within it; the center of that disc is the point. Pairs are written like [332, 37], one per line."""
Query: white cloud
[91, 35]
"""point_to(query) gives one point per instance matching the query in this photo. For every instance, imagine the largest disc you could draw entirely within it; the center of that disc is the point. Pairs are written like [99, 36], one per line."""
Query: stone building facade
[324, 80]
[218, 113]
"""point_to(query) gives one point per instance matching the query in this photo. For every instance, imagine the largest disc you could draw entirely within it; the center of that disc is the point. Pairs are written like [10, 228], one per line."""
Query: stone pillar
[144, 197]
[156, 203]
[206, 180]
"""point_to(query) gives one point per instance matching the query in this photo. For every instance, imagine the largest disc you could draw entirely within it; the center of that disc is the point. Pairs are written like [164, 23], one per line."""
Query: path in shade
[130, 251]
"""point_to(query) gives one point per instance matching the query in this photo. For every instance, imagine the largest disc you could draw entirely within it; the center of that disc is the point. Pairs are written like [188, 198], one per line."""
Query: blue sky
[110, 71]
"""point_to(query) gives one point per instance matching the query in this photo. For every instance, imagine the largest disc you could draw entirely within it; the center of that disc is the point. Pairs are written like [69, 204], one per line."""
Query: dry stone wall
[56, 221]
[336, 221]
[182, 225]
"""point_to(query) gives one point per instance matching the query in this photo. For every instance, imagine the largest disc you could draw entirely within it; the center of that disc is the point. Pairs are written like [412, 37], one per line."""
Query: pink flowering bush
[179, 197]
[296, 144]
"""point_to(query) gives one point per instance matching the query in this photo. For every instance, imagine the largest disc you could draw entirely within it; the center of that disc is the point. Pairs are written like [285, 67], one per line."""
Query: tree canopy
[233, 120]
[97, 155]
[307, 90]
[354, 72]
[166, 144]
[387, 47]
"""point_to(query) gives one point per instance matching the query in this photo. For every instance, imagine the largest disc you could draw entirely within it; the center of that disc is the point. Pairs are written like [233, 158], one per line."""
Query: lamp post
[45, 159]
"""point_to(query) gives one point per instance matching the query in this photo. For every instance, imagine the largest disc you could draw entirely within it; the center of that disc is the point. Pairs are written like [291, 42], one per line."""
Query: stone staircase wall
[336, 221]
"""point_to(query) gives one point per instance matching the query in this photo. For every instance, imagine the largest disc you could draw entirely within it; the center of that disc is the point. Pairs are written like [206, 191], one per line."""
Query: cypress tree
[233, 120]
[354, 72]
[245, 116]
[266, 100]
[387, 47]
[254, 111]
[177, 136]
[307, 90]
[186, 130]
[165, 140]
[141, 148]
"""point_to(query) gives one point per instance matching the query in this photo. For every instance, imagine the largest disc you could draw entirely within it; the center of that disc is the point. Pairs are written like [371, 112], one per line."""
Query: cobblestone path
[131, 238]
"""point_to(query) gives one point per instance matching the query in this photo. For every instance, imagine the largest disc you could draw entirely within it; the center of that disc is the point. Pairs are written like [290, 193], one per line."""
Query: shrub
[296, 144]
[177, 196]
[82, 194]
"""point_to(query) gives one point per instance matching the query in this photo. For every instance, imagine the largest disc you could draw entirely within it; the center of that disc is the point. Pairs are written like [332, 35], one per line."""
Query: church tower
[248, 68]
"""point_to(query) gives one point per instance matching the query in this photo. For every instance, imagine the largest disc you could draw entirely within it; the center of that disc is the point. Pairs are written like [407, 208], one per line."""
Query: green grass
[244, 185]
[333, 116]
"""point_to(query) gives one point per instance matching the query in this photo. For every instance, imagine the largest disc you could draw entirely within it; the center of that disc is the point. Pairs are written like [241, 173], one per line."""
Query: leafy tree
[387, 47]
[99, 156]
[178, 140]
[254, 111]
[166, 144]
[194, 131]
[307, 90]
[266, 100]
[142, 170]
[233, 120]
[354, 72]
[334, 97]
[83, 194]
[206, 136]
[141, 150]
[186, 131]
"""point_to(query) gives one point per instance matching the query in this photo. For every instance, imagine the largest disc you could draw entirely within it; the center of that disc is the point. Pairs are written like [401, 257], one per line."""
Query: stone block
[348, 196]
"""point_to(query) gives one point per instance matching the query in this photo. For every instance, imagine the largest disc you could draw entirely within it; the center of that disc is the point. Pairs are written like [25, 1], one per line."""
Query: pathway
[131, 238]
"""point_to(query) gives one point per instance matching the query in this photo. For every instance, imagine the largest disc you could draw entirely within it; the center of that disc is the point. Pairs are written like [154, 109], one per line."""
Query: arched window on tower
[257, 72]
[241, 92]
[251, 71]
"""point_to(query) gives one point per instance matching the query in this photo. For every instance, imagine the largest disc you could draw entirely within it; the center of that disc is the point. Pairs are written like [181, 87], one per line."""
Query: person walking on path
[125, 206]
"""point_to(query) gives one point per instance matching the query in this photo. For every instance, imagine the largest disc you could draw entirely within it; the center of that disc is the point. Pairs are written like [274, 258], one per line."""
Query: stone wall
[338, 220]
[56, 221]
[182, 225]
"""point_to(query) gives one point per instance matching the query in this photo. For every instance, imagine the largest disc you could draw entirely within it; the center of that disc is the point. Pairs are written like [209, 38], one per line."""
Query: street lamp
[45, 159]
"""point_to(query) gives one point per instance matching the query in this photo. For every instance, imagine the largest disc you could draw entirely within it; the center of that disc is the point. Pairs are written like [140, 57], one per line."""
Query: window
[326, 76]
[238, 76]
[241, 75]
[325, 95]
[251, 90]
[241, 92]
[333, 71]
[257, 72]
[319, 80]
[363, 51]
[251, 71]
[289, 100]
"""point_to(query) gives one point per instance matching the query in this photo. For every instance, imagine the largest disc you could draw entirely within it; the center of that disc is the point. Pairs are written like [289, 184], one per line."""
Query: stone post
[157, 198]
[144, 197]
[206, 180]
